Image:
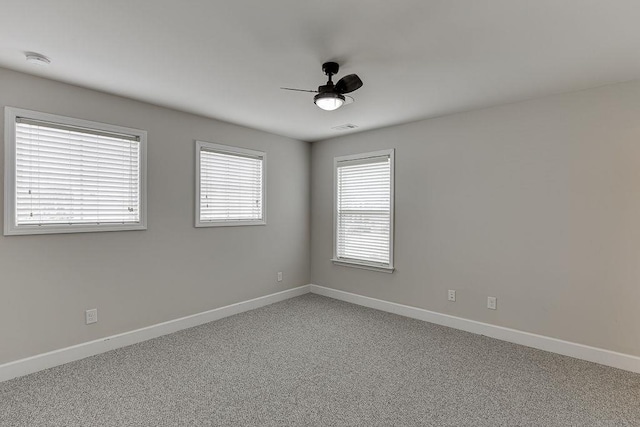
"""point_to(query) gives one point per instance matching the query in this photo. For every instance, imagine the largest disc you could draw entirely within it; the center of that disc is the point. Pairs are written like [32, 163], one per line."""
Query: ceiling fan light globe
[329, 101]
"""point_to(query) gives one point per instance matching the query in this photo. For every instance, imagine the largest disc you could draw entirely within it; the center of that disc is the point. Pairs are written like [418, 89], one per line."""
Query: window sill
[65, 229]
[363, 266]
[200, 224]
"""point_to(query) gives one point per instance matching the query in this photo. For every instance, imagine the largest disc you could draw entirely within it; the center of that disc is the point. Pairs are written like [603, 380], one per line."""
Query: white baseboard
[69, 354]
[579, 351]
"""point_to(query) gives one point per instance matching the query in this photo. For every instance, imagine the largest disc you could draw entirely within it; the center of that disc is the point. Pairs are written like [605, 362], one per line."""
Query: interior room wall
[536, 203]
[170, 270]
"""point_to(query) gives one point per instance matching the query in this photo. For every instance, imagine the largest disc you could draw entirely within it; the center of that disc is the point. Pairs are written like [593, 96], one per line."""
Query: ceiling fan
[331, 97]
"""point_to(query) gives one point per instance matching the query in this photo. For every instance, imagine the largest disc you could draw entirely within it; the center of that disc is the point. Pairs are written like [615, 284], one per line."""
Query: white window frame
[228, 149]
[10, 227]
[364, 264]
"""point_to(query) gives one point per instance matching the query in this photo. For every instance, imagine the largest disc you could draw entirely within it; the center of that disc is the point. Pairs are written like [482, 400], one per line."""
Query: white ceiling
[418, 59]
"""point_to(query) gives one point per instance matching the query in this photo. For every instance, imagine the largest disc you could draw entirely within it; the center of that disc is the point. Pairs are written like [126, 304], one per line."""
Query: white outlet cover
[492, 303]
[279, 276]
[91, 316]
[451, 296]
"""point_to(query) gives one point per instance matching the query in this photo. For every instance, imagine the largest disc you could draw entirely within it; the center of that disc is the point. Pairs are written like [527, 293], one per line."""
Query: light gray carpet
[321, 362]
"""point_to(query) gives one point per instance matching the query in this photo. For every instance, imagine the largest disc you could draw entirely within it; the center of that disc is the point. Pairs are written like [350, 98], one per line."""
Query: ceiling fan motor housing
[326, 88]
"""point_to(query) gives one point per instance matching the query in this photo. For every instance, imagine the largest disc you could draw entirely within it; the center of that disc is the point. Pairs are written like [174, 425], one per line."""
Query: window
[363, 214]
[65, 175]
[230, 185]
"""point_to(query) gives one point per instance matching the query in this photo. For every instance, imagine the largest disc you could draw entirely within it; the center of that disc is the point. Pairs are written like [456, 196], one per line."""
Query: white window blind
[231, 187]
[364, 209]
[67, 177]
[73, 176]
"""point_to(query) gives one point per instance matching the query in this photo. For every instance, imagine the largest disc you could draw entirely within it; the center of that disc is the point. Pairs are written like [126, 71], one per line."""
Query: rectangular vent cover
[345, 127]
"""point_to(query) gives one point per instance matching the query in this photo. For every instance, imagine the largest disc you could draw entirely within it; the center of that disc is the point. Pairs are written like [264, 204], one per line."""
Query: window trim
[356, 263]
[10, 228]
[228, 149]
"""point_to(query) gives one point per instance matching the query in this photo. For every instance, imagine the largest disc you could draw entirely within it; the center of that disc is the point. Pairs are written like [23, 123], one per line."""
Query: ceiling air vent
[344, 127]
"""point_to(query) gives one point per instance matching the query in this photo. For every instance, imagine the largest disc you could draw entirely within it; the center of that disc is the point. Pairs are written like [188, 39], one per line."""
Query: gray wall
[536, 203]
[139, 278]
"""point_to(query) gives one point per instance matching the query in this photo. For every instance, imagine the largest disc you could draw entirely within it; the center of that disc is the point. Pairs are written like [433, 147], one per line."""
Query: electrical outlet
[91, 316]
[452, 295]
[279, 276]
[492, 303]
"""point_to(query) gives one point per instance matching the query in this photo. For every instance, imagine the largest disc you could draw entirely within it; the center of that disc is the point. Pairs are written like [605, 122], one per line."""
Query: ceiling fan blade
[348, 84]
[299, 90]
